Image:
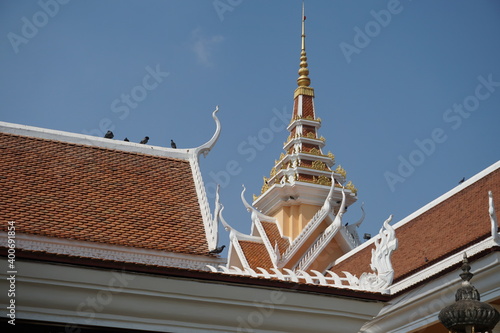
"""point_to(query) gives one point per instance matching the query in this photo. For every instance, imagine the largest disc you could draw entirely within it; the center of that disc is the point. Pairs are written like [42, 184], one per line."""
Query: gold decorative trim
[350, 186]
[318, 165]
[318, 120]
[322, 180]
[341, 171]
[314, 151]
[306, 91]
[265, 187]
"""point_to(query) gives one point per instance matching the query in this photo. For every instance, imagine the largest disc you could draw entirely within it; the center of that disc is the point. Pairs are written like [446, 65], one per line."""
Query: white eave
[307, 171]
[323, 158]
[302, 192]
[93, 250]
[303, 139]
[303, 121]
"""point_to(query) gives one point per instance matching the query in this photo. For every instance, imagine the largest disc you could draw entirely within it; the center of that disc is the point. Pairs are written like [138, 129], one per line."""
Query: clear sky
[408, 91]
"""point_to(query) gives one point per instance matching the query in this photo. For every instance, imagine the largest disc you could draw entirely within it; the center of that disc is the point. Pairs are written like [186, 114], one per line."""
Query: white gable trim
[109, 252]
[210, 223]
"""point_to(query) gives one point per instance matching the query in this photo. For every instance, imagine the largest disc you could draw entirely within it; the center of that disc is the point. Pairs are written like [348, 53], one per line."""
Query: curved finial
[357, 224]
[303, 80]
[251, 209]
[226, 225]
[245, 202]
[205, 148]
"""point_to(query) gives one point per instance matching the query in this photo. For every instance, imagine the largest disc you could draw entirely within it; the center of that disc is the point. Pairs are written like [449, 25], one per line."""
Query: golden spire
[303, 80]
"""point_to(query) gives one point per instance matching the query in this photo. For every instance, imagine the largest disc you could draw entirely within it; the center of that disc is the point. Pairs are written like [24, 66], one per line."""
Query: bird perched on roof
[126, 139]
[144, 141]
[461, 180]
[172, 144]
[109, 135]
[217, 250]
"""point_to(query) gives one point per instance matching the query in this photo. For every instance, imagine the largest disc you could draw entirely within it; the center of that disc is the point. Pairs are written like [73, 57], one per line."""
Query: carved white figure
[381, 260]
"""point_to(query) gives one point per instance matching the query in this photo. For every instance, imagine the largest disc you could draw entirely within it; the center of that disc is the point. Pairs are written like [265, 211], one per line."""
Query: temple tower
[297, 218]
[301, 178]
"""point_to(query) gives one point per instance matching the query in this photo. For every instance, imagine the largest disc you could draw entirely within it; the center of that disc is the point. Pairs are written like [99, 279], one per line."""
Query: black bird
[217, 250]
[144, 141]
[126, 139]
[109, 135]
[172, 144]
[347, 223]
[461, 180]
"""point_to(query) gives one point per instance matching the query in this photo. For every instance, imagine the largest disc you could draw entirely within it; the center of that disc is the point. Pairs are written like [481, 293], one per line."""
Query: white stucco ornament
[493, 217]
[381, 264]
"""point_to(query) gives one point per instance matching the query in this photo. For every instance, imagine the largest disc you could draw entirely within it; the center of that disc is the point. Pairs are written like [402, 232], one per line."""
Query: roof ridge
[126, 146]
[93, 141]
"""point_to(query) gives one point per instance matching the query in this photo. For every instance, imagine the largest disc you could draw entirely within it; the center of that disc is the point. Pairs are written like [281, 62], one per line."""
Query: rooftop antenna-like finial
[303, 80]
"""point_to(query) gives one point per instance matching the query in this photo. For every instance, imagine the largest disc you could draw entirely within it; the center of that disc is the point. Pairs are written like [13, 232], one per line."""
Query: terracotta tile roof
[256, 254]
[442, 230]
[274, 236]
[65, 190]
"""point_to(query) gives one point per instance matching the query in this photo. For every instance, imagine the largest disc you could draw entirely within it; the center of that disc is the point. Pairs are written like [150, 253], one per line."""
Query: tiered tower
[301, 178]
[297, 218]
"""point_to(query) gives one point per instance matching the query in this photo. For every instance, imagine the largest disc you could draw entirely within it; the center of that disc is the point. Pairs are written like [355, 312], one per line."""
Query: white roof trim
[95, 250]
[210, 223]
[427, 207]
[449, 194]
[93, 141]
[428, 272]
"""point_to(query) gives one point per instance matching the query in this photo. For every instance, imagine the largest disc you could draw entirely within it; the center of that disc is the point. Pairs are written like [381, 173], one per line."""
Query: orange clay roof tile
[256, 254]
[64, 190]
[274, 236]
[444, 229]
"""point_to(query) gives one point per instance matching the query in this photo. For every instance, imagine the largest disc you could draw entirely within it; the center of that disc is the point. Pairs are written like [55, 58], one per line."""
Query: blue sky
[408, 91]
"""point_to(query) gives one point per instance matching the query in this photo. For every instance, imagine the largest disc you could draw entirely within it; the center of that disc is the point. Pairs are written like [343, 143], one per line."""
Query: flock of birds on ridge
[110, 135]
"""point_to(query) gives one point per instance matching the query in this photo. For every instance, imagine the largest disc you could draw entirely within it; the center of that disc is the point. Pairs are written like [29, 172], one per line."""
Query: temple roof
[444, 227]
[68, 186]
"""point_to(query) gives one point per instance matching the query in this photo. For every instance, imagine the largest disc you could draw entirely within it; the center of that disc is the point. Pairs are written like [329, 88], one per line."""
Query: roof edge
[93, 141]
[201, 275]
[449, 194]
[93, 250]
[425, 208]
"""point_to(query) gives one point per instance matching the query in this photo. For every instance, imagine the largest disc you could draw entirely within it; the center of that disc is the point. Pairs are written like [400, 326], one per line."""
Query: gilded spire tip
[303, 80]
